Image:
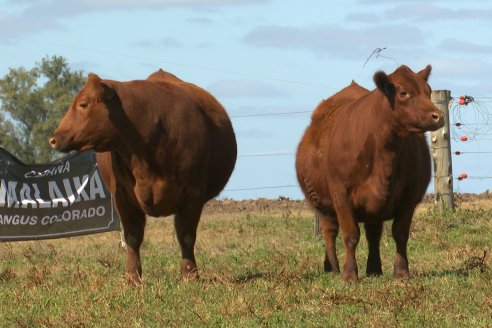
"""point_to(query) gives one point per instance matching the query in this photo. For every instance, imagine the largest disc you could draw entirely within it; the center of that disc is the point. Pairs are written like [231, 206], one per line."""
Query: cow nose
[437, 118]
[52, 142]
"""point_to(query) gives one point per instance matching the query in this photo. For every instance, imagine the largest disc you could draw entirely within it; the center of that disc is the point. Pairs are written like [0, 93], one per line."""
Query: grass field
[259, 267]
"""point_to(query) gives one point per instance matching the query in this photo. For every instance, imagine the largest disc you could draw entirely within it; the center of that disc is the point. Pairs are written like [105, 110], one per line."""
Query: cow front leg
[373, 236]
[401, 232]
[186, 222]
[134, 238]
[329, 228]
[133, 221]
[351, 235]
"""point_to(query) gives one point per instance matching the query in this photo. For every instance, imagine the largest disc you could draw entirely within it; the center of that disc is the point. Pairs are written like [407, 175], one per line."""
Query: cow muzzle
[53, 143]
[437, 120]
[58, 145]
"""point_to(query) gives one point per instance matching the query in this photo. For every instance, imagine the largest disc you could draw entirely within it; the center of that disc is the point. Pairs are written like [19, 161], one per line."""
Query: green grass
[257, 269]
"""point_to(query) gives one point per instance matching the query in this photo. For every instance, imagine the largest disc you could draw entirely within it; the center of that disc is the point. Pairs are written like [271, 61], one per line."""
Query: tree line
[32, 104]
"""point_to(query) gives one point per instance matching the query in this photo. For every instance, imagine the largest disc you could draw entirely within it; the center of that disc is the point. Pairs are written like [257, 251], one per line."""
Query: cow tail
[311, 194]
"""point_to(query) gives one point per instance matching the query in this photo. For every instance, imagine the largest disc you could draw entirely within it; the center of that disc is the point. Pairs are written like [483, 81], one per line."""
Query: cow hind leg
[186, 223]
[373, 236]
[351, 235]
[329, 228]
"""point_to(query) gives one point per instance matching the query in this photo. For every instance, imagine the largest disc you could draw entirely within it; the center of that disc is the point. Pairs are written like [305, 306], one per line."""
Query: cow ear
[384, 84]
[94, 77]
[107, 91]
[425, 73]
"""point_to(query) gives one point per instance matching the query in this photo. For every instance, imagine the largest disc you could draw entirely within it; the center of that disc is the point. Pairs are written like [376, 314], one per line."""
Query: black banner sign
[60, 199]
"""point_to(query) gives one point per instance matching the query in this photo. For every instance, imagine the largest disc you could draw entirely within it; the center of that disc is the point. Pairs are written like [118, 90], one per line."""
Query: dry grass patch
[260, 266]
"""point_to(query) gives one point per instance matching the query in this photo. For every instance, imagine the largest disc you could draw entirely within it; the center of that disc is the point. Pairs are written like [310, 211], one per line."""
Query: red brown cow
[364, 158]
[164, 146]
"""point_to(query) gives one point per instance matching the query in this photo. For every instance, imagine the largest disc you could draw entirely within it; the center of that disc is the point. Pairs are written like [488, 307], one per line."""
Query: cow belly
[373, 202]
[382, 202]
[159, 198]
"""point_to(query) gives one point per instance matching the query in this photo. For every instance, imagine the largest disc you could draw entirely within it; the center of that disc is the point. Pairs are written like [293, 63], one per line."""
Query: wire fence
[471, 116]
[471, 127]
[470, 121]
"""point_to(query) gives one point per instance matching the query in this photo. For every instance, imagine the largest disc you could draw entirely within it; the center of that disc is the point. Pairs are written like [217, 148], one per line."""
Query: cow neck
[388, 142]
[388, 129]
[371, 176]
[132, 142]
[131, 146]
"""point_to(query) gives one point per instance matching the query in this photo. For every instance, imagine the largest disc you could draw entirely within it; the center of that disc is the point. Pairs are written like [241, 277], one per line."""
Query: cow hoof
[401, 275]
[400, 271]
[374, 273]
[189, 271]
[331, 268]
[350, 277]
[133, 279]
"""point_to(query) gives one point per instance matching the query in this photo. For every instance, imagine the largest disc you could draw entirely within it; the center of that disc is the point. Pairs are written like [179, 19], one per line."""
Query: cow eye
[404, 94]
[83, 105]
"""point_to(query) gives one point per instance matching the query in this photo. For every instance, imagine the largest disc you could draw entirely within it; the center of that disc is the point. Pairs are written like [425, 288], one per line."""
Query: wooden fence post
[441, 153]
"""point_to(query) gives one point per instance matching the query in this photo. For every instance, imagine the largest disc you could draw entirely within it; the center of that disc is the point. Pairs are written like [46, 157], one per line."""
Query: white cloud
[162, 43]
[432, 13]
[165, 3]
[238, 88]
[254, 134]
[460, 46]
[335, 41]
[201, 21]
[472, 69]
[461, 75]
[374, 2]
[26, 16]
[364, 17]
[377, 2]
[132, 4]
[424, 12]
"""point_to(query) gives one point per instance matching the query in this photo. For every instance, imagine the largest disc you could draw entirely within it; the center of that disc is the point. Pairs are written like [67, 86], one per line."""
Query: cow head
[408, 94]
[87, 123]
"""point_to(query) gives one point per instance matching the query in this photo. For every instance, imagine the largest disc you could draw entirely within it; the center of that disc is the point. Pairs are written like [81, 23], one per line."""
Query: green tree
[32, 104]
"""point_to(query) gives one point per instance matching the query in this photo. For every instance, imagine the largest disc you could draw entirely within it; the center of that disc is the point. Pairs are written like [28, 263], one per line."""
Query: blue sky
[265, 58]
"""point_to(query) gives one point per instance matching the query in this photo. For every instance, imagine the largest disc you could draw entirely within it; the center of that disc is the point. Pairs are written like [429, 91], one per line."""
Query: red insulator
[465, 100]
[464, 138]
[463, 176]
[458, 124]
[457, 152]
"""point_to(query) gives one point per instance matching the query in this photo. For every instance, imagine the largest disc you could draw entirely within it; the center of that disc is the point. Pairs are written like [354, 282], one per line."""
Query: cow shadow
[452, 272]
[250, 277]
[280, 275]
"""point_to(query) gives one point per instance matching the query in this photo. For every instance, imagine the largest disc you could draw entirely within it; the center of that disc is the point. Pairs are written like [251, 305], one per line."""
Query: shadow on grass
[454, 272]
[441, 273]
[281, 275]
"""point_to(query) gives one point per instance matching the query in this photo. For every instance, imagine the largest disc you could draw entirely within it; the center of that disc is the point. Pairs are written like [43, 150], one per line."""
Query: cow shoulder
[329, 106]
[208, 104]
[162, 75]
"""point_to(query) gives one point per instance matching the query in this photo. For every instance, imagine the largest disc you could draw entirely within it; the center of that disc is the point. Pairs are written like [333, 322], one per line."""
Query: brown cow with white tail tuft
[364, 158]
[164, 146]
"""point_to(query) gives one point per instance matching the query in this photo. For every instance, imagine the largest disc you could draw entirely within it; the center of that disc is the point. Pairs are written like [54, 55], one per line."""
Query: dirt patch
[287, 204]
[254, 205]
